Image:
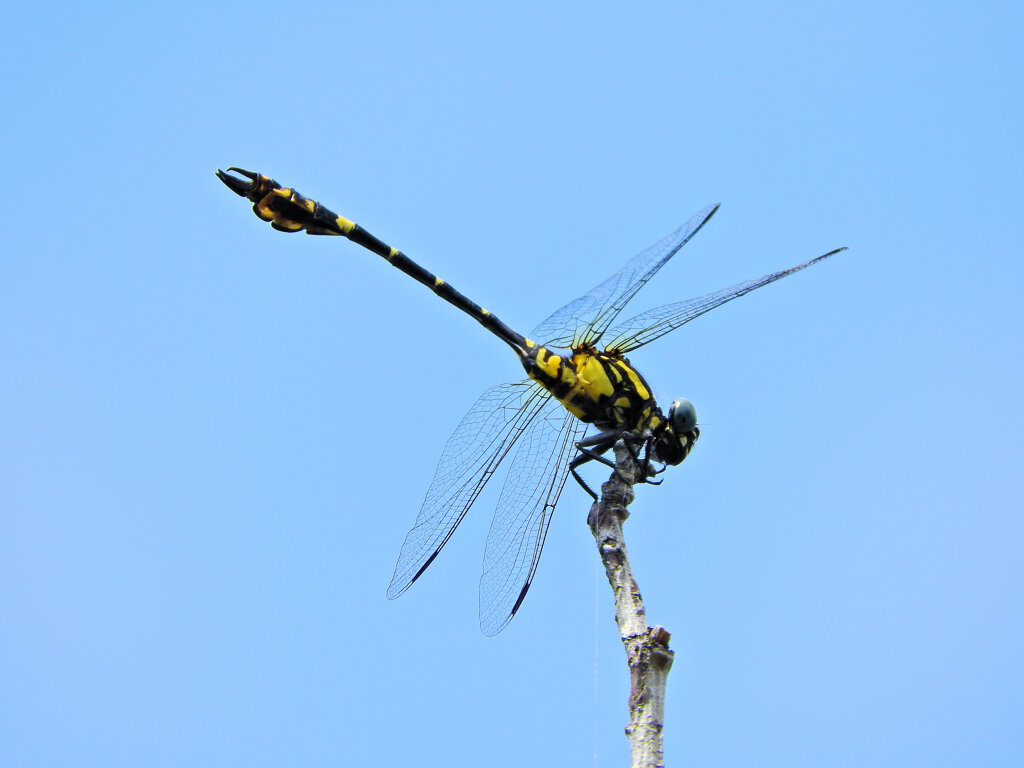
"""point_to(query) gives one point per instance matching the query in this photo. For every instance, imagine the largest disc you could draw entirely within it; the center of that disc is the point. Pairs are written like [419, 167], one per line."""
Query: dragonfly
[577, 376]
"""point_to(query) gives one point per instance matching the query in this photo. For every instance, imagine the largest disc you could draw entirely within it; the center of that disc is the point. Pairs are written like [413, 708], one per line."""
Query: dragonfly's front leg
[592, 449]
[649, 472]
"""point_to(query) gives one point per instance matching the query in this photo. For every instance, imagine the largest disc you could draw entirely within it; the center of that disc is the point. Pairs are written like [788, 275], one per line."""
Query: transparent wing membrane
[655, 323]
[540, 466]
[585, 320]
[470, 457]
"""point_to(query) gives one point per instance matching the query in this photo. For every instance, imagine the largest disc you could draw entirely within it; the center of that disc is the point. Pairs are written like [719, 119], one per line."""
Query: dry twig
[647, 651]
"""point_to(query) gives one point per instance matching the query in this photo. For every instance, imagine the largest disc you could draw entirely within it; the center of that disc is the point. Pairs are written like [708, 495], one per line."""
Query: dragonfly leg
[596, 445]
[651, 471]
[582, 458]
[591, 449]
[647, 472]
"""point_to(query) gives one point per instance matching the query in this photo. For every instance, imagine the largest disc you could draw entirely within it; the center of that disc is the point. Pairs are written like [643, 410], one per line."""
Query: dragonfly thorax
[599, 388]
[604, 389]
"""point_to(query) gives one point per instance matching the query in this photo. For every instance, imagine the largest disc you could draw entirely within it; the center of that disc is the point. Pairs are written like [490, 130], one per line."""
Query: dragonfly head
[678, 433]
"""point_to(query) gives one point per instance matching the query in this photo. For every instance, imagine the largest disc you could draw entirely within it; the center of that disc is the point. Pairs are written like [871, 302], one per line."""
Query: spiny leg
[646, 471]
[590, 449]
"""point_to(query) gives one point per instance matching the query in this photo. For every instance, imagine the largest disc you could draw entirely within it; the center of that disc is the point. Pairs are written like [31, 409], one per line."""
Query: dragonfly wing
[655, 323]
[535, 480]
[470, 457]
[585, 320]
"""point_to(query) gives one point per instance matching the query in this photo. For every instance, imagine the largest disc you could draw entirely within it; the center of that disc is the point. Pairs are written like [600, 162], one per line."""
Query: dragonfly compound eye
[683, 415]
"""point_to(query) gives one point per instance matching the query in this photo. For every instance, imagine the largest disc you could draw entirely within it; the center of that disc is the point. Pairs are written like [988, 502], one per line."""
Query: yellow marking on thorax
[634, 379]
[438, 282]
[393, 253]
[574, 409]
[592, 380]
[583, 375]
[572, 376]
[551, 365]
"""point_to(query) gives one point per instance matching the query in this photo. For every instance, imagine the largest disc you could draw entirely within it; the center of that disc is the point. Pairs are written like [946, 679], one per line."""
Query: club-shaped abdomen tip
[683, 415]
[233, 183]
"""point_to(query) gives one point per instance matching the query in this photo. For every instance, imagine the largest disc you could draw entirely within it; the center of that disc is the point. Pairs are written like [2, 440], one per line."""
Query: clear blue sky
[213, 437]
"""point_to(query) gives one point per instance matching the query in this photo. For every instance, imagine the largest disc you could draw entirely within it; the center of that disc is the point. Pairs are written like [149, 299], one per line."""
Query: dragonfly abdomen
[288, 211]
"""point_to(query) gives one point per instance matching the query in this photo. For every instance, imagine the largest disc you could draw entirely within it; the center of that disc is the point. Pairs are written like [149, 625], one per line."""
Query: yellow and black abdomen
[288, 211]
[598, 388]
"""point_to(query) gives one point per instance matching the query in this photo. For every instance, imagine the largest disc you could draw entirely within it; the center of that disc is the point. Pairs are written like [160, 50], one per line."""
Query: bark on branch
[647, 651]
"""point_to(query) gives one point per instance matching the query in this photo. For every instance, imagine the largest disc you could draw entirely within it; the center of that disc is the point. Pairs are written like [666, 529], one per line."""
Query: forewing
[482, 439]
[585, 320]
[535, 480]
[655, 323]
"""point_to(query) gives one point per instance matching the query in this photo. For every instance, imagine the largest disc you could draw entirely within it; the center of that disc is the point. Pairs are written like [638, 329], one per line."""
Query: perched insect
[571, 383]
